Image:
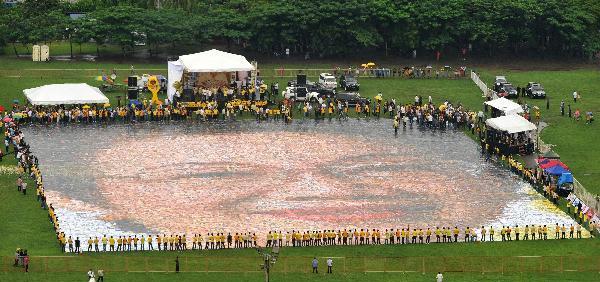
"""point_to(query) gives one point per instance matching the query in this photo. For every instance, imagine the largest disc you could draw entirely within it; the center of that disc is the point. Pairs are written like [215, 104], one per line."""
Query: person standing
[77, 245]
[177, 264]
[575, 96]
[315, 265]
[100, 275]
[439, 277]
[26, 263]
[19, 182]
[562, 108]
[329, 265]
[24, 188]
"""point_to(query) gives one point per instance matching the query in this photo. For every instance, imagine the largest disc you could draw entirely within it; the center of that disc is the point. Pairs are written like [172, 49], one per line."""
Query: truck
[299, 93]
[327, 80]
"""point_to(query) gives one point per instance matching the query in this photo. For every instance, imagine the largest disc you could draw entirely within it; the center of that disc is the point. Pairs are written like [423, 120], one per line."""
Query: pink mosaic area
[259, 180]
[274, 181]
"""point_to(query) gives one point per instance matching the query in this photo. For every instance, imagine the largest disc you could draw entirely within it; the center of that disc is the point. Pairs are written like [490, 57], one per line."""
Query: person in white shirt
[439, 277]
[329, 265]
[575, 96]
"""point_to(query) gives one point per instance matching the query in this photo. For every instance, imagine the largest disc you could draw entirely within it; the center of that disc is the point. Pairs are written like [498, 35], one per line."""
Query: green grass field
[25, 225]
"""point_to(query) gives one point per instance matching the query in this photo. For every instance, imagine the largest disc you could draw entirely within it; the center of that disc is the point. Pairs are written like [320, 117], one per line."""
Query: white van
[328, 81]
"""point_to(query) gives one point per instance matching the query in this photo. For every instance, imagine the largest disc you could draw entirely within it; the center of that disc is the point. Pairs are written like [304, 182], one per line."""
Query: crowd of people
[297, 238]
[420, 113]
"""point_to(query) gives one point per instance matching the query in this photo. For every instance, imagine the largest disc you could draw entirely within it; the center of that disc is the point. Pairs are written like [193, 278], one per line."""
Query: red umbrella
[7, 119]
[1, 108]
[553, 163]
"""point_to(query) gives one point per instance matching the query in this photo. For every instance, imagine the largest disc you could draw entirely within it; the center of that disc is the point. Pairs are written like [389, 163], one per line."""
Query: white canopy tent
[506, 106]
[65, 94]
[510, 124]
[208, 61]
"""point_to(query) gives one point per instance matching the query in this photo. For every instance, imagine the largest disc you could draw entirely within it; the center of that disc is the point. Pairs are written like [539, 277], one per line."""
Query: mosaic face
[259, 177]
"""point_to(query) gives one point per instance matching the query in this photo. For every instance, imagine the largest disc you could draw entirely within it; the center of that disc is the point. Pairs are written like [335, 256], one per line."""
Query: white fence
[482, 86]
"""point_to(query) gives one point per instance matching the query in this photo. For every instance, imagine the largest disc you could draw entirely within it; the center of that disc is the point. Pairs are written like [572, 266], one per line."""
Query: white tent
[208, 61]
[508, 107]
[65, 94]
[511, 124]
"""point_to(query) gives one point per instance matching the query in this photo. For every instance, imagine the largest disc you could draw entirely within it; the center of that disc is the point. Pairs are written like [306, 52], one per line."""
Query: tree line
[488, 28]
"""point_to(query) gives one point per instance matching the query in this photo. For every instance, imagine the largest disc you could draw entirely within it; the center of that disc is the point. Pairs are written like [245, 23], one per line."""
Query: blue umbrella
[565, 178]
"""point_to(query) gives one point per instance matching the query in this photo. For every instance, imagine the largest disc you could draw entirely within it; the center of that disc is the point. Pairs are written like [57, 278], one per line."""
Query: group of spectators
[297, 238]
[540, 181]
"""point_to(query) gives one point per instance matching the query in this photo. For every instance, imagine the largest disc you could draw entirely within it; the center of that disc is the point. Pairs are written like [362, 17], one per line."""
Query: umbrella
[99, 78]
[1, 108]
[107, 105]
[16, 101]
[556, 170]
[17, 116]
[7, 119]
[363, 65]
[370, 64]
[86, 107]
[378, 97]
[552, 163]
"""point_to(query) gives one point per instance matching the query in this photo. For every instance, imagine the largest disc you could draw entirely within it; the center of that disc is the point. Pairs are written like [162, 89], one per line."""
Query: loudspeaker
[301, 79]
[132, 81]
[132, 93]
[188, 95]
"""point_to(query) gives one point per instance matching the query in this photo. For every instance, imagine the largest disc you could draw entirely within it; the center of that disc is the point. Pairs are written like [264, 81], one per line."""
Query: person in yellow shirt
[571, 229]
[438, 234]
[545, 230]
[90, 241]
[428, 236]
[111, 243]
[456, 231]
[362, 237]
[135, 242]
[150, 246]
[159, 241]
[120, 244]
[96, 244]
[526, 233]
[563, 230]
[104, 242]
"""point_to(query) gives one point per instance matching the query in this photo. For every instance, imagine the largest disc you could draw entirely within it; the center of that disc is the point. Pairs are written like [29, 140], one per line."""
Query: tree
[119, 25]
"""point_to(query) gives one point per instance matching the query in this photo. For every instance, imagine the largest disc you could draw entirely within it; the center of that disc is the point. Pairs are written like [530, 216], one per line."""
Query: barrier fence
[301, 264]
[448, 73]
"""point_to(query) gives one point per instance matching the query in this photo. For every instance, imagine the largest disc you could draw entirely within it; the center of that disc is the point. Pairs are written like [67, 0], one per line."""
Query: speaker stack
[301, 79]
[188, 95]
[132, 93]
[132, 88]
[132, 81]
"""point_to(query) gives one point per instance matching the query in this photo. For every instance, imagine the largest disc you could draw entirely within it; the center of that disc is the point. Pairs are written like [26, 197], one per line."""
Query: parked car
[349, 82]
[508, 90]
[352, 98]
[499, 82]
[535, 90]
[327, 80]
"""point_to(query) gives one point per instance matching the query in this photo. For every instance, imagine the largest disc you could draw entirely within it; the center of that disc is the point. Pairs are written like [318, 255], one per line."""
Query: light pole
[269, 260]
[67, 30]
